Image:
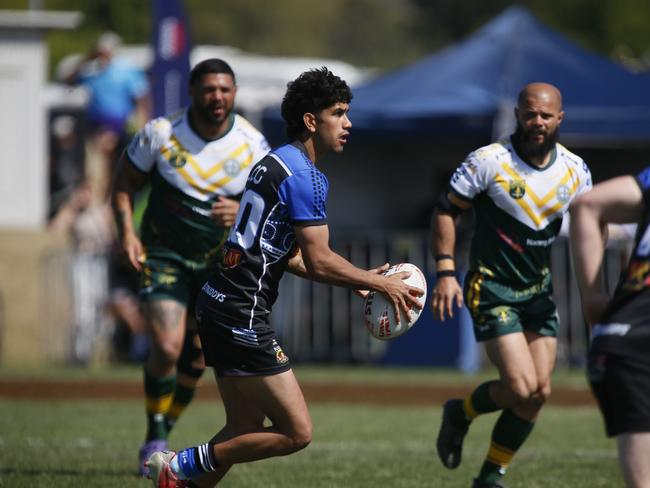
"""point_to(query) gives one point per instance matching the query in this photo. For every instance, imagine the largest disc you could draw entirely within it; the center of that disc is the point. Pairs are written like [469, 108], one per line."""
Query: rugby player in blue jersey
[618, 359]
[281, 225]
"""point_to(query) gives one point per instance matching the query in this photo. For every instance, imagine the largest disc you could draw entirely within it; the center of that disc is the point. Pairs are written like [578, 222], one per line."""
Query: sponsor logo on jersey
[177, 156]
[213, 293]
[280, 356]
[563, 193]
[232, 167]
[540, 242]
[231, 258]
[517, 188]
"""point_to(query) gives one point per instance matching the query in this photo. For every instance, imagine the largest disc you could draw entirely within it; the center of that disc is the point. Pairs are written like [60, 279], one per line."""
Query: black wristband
[445, 273]
[440, 257]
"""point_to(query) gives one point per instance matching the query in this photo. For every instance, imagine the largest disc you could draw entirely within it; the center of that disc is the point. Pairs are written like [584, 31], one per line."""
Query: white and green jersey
[188, 173]
[518, 209]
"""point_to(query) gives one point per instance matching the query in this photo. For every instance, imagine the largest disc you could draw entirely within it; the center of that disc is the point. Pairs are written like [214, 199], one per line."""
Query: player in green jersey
[197, 162]
[519, 189]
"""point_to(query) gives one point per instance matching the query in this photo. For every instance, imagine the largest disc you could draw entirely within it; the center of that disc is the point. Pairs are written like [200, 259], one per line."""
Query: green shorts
[497, 309]
[166, 275]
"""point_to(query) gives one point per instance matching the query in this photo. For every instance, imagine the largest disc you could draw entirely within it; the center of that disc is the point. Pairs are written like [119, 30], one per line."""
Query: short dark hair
[212, 65]
[312, 91]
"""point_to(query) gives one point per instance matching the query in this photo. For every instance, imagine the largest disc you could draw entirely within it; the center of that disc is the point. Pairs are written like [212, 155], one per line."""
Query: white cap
[108, 41]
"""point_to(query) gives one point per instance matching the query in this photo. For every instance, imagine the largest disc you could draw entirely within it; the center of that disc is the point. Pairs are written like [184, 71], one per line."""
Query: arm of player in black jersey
[618, 200]
[324, 265]
[296, 266]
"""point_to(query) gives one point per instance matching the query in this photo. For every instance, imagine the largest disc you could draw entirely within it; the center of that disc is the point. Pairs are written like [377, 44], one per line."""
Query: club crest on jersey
[280, 356]
[177, 157]
[232, 167]
[517, 189]
[563, 193]
[231, 258]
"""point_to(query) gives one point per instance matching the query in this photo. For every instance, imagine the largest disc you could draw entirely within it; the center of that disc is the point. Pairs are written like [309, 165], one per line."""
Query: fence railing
[314, 322]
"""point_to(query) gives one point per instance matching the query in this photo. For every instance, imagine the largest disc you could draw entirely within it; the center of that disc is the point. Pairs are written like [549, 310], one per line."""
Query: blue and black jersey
[284, 190]
[625, 327]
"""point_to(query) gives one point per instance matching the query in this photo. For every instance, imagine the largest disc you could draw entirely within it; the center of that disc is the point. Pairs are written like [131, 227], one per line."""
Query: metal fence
[315, 322]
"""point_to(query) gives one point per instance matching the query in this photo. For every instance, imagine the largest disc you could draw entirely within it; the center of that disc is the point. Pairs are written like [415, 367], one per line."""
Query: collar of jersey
[231, 123]
[536, 168]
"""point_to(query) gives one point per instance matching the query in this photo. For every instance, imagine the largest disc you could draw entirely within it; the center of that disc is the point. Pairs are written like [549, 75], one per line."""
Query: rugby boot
[161, 473]
[146, 450]
[450, 437]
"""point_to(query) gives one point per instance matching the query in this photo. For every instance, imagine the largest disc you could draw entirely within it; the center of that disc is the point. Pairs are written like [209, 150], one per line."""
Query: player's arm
[443, 240]
[128, 180]
[324, 265]
[296, 266]
[619, 200]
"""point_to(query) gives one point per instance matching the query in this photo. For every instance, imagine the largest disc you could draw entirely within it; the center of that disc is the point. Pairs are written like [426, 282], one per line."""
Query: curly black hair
[311, 92]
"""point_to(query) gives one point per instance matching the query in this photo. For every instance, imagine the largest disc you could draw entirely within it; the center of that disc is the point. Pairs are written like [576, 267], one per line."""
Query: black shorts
[621, 385]
[239, 351]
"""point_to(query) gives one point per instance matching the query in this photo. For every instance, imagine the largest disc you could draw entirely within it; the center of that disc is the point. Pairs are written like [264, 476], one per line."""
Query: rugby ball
[379, 313]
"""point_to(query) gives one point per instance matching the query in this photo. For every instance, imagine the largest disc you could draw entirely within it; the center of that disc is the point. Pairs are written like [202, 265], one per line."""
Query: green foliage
[373, 33]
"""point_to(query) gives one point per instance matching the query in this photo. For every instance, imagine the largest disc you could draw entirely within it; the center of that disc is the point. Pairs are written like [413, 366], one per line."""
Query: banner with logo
[171, 67]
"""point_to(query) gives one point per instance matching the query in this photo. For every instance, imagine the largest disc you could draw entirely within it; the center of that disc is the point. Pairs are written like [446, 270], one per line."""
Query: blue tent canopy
[470, 88]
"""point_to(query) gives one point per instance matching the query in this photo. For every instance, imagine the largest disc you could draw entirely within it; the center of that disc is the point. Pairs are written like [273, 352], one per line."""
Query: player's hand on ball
[403, 296]
[379, 270]
[445, 293]
[391, 312]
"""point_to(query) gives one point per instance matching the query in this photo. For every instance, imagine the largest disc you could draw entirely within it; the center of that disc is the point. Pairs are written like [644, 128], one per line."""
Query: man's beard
[207, 117]
[529, 149]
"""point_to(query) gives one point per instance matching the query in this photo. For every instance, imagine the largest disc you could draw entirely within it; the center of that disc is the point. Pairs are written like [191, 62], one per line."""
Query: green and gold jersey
[188, 174]
[518, 209]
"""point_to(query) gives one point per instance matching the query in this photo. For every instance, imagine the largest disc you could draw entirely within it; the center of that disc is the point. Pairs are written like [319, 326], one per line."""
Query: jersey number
[251, 210]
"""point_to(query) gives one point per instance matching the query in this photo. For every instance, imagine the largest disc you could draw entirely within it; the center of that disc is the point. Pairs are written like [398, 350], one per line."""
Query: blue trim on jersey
[644, 179]
[304, 192]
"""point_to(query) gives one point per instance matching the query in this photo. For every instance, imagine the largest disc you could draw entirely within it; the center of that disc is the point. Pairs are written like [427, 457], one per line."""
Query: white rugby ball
[379, 313]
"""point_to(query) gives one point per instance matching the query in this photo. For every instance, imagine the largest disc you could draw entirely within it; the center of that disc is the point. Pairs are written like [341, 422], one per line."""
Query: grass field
[92, 443]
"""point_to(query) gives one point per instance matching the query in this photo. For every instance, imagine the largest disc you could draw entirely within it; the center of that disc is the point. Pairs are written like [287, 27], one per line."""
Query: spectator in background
[66, 161]
[118, 105]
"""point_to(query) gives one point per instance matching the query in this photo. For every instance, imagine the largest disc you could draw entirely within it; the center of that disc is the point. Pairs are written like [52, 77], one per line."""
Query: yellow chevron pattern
[197, 176]
[537, 207]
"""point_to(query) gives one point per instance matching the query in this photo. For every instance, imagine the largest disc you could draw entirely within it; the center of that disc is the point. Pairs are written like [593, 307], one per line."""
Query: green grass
[94, 443]
[574, 378]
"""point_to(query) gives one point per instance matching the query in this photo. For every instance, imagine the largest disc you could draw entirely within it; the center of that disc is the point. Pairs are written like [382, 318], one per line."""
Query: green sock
[189, 369]
[182, 398]
[158, 397]
[477, 403]
[508, 435]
